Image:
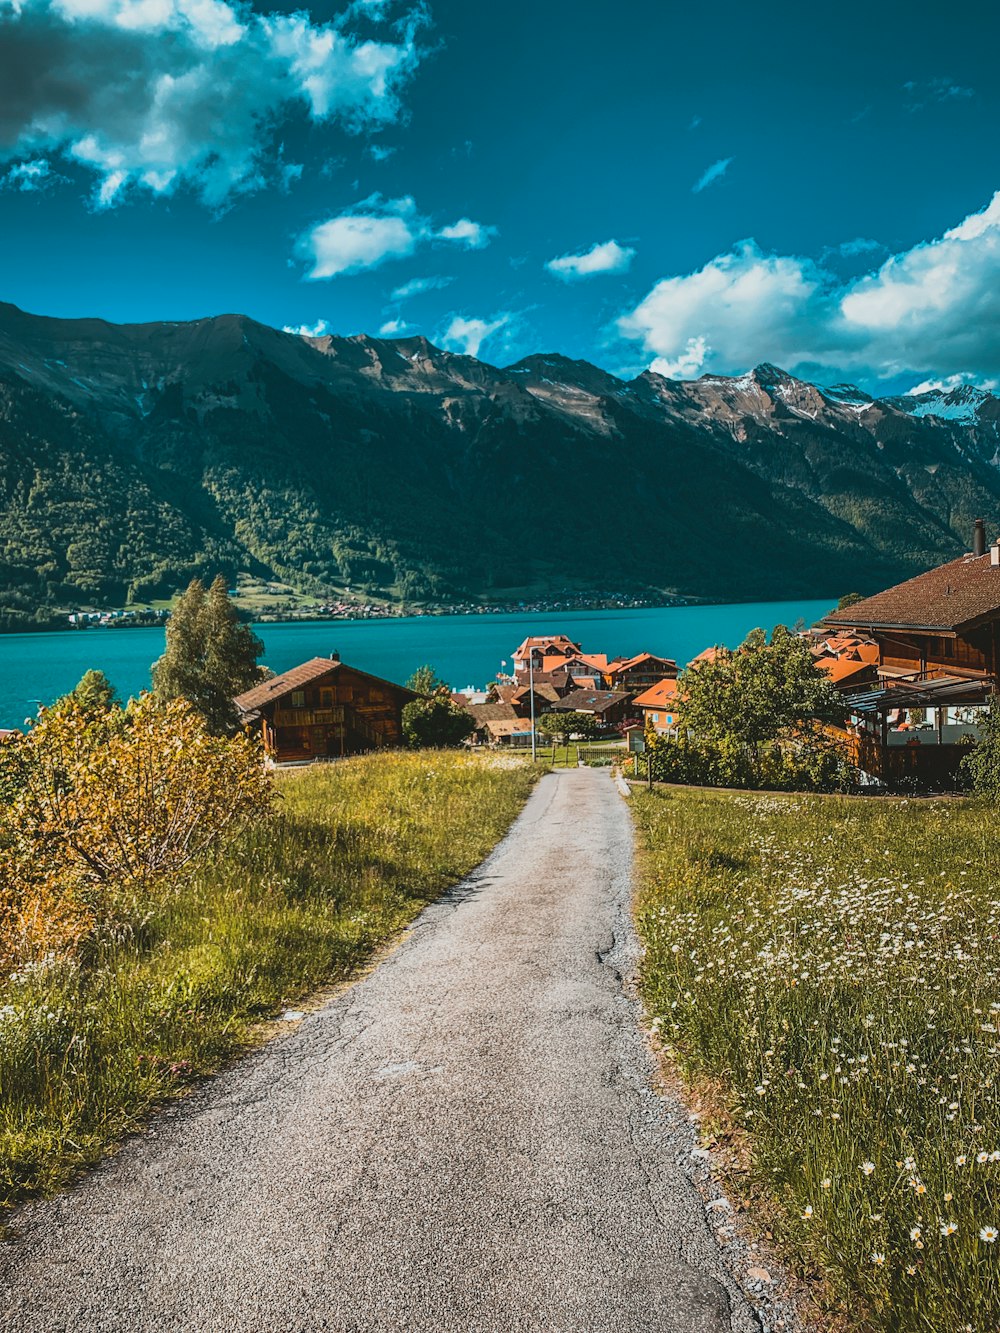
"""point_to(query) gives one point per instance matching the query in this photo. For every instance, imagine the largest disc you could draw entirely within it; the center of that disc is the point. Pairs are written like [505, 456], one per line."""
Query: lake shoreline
[555, 609]
[467, 650]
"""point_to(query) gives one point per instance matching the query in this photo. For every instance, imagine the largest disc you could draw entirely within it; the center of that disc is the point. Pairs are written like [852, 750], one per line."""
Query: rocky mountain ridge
[132, 456]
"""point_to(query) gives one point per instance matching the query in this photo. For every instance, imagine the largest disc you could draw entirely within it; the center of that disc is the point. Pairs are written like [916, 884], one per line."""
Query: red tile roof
[951, 597]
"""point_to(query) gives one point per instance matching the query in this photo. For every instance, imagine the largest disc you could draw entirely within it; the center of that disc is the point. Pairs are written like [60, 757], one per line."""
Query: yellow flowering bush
[103, 807]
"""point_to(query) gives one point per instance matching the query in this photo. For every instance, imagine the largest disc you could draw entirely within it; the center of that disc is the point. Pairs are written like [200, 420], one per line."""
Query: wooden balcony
[309, 717]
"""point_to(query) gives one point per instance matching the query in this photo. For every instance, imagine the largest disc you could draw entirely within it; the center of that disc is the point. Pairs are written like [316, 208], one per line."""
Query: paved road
[465, 1140]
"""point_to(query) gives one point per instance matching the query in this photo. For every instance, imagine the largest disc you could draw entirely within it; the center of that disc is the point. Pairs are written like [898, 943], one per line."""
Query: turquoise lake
[465, 650]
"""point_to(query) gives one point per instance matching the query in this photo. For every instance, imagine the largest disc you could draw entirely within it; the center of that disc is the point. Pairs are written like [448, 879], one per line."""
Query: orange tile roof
[706, 655]
[842, 668]
[545, 641]
[662, 694]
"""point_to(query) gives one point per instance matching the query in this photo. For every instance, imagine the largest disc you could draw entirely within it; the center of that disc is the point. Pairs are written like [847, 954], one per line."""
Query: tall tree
[762, 692]
[210, 657]
[425, 680]
[95, 694]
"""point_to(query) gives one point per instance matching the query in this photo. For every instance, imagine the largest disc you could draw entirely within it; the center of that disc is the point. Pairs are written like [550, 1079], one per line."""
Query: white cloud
[35, 174]
[472, 234]
[468, 335]
[861, 245]
[305, 331]
[156, 94]
[394, 328]
[375, 231]
[606, 257]
[922, 92]
[741, 307]
[416, 286]
[931, 310]
[950, 382]
[713, 173]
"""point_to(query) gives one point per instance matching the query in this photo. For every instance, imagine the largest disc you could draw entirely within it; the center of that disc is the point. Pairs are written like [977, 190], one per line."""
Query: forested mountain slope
[132, 457]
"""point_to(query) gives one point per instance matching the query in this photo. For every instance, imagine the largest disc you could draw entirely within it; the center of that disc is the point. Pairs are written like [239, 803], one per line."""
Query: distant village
[347, 609]
[916, 664]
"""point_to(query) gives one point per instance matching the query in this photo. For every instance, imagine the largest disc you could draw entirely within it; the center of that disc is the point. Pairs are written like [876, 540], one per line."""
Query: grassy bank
[354, 852]
[832, 966]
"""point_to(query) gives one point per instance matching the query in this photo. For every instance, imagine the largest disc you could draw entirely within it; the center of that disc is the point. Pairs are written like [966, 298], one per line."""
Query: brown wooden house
[938, 638]
[606, 706]
[324, 709]
[640, 672]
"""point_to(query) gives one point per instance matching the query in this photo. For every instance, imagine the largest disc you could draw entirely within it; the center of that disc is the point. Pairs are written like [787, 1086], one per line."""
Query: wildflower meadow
[832, 966]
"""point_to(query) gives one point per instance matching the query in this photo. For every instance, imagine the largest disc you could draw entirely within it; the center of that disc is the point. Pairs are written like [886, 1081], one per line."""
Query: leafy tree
[560, 726]
[982, 765]
[210, 655]
[849, 599]
[763, 692]
[94, 694]
[425, 680]
[436, 722]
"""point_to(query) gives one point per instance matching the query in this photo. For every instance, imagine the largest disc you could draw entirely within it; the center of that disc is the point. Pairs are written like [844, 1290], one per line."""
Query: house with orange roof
[660, 705]
[587, 670]
[539, 646]
[706, 655]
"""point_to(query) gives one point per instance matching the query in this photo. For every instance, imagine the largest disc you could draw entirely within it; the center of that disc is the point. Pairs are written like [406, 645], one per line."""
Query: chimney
[979, 538]
[995, 552]
[335, 657]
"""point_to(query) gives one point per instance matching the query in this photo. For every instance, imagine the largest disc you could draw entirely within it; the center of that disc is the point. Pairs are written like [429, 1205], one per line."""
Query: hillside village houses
[916, 663]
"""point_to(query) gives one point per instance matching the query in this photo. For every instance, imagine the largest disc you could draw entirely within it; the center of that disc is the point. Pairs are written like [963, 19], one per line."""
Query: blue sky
[643, 184]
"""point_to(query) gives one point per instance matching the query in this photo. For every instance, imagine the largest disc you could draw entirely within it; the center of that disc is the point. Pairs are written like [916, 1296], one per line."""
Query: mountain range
[133, 457]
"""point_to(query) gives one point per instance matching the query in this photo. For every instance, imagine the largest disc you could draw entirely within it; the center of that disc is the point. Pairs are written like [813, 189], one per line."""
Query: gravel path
[465, 1140]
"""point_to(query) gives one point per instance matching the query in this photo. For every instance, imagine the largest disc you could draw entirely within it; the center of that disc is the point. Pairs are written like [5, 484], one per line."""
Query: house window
[326, 698]
[298, 698]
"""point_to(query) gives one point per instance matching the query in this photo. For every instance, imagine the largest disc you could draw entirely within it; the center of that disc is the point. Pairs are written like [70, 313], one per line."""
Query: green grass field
[355, 850]
[832, 968]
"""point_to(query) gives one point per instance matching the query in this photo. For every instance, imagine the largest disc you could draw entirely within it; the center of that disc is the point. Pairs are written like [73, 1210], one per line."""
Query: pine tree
[210, 655]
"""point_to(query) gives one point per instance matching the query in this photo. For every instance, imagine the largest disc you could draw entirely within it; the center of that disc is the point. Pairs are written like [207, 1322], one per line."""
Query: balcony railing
[308, 717]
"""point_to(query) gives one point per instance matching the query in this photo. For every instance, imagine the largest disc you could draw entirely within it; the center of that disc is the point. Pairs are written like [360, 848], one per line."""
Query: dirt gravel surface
[466, 1139]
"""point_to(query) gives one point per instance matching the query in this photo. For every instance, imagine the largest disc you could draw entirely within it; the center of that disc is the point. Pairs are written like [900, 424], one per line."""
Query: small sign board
[636, 741]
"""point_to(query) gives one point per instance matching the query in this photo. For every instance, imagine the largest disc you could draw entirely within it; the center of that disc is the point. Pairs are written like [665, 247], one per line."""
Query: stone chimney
[979, 538]
[995, 552]
[335, 657]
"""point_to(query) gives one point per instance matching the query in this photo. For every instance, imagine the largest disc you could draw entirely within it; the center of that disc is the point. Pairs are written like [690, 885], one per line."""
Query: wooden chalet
[640, 672]
[586, 670]
[324, 709]
[938, 638]
[557, 647]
